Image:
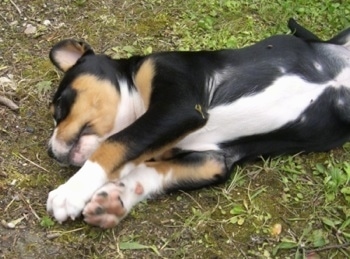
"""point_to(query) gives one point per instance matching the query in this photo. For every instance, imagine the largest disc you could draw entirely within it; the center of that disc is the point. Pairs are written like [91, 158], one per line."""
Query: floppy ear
[67, 52]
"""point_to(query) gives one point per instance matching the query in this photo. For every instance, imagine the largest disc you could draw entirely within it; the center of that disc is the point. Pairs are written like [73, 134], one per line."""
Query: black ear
[67, 52]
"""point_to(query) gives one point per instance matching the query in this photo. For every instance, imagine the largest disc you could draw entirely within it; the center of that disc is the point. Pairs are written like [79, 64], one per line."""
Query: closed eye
[87, 130]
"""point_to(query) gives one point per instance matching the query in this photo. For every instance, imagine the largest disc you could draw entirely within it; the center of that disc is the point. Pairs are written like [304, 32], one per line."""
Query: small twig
[329, 247]
[30, 207]
[42, 168]
[8, 205]
[18, 10]
[4, 19]
[6, 93]
[7, 102]
[192, 199]
[67, 232]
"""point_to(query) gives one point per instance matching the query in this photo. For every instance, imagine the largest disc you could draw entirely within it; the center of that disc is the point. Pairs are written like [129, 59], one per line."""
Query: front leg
[69, 199]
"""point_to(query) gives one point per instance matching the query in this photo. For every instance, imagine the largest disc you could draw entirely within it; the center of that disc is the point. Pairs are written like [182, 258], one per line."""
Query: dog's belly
[281, 103]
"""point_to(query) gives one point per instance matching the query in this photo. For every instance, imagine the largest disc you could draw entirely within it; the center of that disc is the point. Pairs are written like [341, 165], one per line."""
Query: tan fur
[110, 156]
[96, 105]
[143, 80]
[196, 172]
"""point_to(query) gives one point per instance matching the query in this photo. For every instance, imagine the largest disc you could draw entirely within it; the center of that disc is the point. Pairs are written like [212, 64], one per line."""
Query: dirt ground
[230, 221]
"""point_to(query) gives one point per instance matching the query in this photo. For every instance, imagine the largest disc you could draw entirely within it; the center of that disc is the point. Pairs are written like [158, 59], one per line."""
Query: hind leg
[111, 203]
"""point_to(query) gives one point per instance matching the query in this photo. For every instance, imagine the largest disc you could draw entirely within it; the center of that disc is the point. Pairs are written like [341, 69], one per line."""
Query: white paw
[69, 199]
[64, 203]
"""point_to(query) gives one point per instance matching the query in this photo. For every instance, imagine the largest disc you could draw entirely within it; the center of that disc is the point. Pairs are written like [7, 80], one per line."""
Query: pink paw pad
[106, 207]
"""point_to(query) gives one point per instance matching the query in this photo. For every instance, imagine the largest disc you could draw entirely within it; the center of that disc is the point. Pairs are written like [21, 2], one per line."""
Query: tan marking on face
[110, 156]
[143, 80]
[96, 105]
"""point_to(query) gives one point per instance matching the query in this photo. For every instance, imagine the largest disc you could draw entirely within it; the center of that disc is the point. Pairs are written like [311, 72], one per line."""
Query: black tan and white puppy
[181, 120]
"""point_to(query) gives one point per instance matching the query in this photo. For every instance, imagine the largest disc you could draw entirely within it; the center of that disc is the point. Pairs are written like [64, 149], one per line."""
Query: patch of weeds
[137, 246]
[250, 210]
[46, 222]
[336, 179]
[317, 196]
[44, 87]
[310, 238]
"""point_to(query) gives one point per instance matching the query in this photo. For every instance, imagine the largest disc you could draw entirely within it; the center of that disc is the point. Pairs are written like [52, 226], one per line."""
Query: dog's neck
[130, 108]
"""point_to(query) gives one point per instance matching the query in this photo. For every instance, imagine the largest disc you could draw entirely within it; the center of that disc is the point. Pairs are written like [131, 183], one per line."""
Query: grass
[284, 207]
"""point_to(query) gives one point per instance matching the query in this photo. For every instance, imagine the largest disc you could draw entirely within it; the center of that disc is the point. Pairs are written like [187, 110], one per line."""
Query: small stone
[29, 129]
[46, 22]
[14, 23]
[11, 225]
[30, 29]
[53, 235]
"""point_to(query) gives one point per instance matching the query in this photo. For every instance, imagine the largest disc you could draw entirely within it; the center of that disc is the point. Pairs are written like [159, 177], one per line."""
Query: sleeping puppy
[181, 120]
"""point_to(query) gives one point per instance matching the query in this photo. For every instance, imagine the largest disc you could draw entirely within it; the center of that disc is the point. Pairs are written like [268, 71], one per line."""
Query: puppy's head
[85, 105]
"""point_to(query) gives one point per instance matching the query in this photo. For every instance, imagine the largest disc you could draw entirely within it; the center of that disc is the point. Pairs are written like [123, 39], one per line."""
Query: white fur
[131, 107]
[318, 66]
[151, 181]
[87, 144]
[342, 79]
[215, 80]
[282, 102]
[58, 147]
[77, 153]
[69, 199]
[127, 168]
